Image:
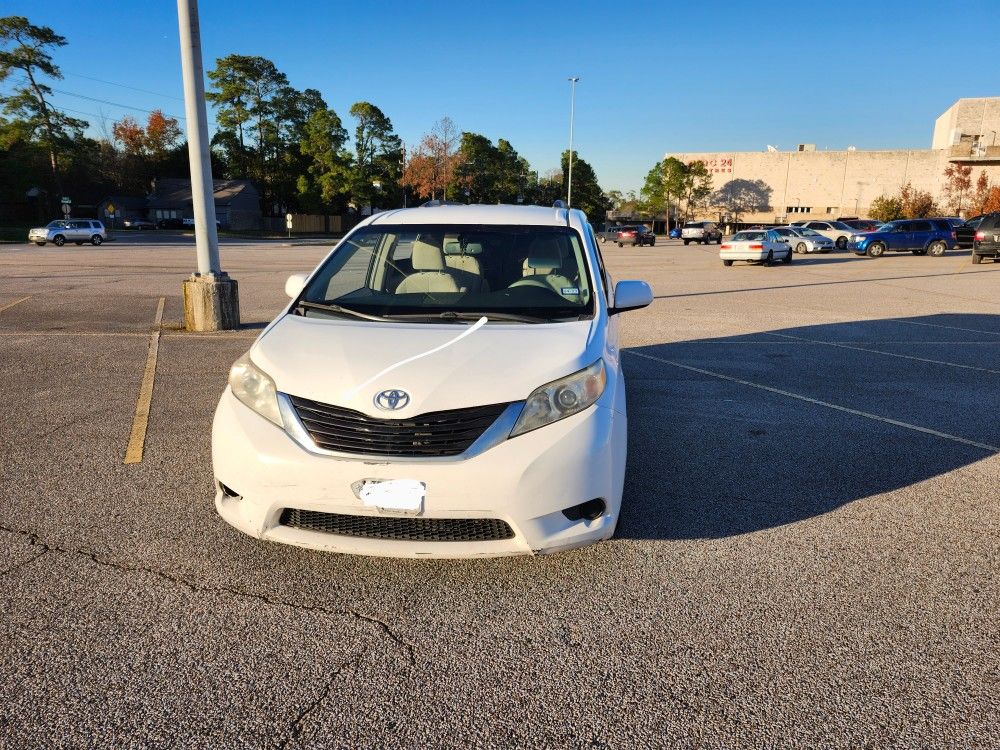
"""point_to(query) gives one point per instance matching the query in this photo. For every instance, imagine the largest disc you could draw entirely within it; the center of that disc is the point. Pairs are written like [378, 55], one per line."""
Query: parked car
[804, 240]
[701, 231]
[138, 224]
[345, 427]
[966, 231]
[61, 231]
[170, 224]
[636, 235]
[608, 232]
[675, 233]
[755, 246]
[861, 225]
[986, 244]
[918, 236]
[189, 223]
[837, 231]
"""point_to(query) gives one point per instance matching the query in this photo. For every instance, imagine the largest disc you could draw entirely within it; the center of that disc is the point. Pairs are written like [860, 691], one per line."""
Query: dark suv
[917, 236]
[987, 241]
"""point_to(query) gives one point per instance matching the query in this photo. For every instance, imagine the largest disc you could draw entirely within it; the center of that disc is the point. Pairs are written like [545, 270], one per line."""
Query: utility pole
[572, 115]
[211, 298]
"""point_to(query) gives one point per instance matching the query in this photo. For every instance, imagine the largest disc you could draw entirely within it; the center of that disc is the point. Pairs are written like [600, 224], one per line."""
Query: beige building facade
[807, 183]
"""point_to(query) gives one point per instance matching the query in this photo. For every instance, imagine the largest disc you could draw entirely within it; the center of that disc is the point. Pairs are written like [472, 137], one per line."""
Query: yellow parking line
[15, 302]
[137, 438]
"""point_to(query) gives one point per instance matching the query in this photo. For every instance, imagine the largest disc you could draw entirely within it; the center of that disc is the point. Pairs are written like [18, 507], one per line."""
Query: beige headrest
[427, 257]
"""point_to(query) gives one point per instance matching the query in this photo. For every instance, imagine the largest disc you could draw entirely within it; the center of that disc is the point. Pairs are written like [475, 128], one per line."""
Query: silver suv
[61, 231]
[701, 231]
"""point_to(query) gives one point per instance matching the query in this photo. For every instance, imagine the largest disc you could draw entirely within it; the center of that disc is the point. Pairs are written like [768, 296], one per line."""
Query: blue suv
[918, 236]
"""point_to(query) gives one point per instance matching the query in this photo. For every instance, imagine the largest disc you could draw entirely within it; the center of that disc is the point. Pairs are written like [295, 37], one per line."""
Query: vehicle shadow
[712, 457]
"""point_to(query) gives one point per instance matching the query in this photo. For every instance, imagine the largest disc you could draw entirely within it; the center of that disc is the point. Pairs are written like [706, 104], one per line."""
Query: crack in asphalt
[408, 648]
[295, 728]
[22, 563]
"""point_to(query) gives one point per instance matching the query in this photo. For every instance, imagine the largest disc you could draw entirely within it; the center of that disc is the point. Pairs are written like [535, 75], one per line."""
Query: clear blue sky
[656, 76]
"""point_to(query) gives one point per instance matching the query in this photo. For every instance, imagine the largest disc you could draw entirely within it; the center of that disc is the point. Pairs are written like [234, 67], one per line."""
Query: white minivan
[446, 383]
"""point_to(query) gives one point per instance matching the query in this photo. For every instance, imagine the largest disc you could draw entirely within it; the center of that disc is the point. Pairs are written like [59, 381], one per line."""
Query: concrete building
[811, 184]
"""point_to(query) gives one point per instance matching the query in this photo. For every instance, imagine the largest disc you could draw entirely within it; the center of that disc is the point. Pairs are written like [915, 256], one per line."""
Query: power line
[125, 86]
[105, 101]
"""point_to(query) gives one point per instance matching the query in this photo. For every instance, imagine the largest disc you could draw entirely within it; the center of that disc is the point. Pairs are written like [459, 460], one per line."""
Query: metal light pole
[211, 298]
[572, 114]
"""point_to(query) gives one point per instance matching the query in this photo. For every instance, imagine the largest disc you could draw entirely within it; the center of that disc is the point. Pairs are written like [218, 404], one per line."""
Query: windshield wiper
[472, 315]
[330, 307]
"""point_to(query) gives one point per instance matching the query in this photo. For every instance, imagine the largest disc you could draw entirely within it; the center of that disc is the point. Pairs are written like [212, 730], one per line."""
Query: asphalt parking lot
[808, 553]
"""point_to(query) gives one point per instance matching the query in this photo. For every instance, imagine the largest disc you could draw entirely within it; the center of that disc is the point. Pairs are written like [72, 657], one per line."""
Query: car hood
[338, 361]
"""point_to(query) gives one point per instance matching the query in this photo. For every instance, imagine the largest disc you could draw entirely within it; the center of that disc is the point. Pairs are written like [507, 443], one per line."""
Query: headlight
[561, 398]
[254, 387]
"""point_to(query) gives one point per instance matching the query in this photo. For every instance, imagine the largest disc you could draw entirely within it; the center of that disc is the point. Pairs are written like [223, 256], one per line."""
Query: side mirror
[294, 284]
[631, 295]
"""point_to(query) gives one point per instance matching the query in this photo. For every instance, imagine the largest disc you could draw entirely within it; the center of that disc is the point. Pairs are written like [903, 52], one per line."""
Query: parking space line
[826, 404]
[887, 354]
[938, 325]
[15, 302]
[137, 438]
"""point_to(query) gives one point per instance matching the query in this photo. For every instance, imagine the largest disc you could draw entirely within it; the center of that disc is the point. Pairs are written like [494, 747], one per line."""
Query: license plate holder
[392, 495]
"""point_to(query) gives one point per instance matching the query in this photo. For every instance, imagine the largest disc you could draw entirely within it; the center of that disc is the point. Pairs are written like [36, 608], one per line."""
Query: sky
[655, 77]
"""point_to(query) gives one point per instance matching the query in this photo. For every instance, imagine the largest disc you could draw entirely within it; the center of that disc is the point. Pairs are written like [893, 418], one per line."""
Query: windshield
[455, 271]
[807, 232]
[841, 226]
[58, 225]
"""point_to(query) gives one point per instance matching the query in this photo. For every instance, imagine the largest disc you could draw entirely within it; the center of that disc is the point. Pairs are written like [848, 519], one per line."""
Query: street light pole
[211, 298]
[572, 114]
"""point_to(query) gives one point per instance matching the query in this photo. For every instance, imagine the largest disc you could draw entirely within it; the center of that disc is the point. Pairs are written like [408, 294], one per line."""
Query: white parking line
[938, 325]
[887, 354]
[826, 404]
[15, 302]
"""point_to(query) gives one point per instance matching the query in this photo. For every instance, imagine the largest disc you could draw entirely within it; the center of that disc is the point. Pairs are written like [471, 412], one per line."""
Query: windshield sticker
[570, 290]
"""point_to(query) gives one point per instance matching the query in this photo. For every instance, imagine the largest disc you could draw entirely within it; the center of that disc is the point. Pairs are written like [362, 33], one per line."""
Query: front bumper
[526, 481]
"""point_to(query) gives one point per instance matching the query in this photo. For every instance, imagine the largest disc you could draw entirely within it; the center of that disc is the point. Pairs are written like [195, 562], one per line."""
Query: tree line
[297, 150]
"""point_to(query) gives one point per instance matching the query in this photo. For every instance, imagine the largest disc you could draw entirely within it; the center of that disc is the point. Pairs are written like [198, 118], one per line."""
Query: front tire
[801, 248]
[58, 240]
[841, 243]
[875, 250]
[936, 249]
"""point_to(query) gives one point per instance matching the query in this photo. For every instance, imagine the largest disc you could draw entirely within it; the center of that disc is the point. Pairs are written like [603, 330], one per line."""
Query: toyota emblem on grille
[392, 399]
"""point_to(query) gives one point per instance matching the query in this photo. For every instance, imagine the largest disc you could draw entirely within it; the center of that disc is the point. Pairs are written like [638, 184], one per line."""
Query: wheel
[687, 242]
[727, 263]
[769, 259]
[96, 239]
[652, 242]
[718, 240]
[42, 244]
[801, 248]
[59, 240]
[875, 249]
[976, 259]
[788, 257]
[78, 244]
[936, 249]
[621, 244]
[841, 243]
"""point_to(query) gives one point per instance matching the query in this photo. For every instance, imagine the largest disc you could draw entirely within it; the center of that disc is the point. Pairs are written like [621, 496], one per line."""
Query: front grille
[439, 433]
[405, 529]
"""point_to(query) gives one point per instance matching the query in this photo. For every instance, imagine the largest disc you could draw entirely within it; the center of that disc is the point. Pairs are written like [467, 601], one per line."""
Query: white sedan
[755, 246]
[805, 240]
[837, 231]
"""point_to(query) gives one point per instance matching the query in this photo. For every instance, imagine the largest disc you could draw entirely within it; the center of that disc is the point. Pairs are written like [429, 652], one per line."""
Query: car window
[784, 232]
[389, 270]
[818, 225]
[806, 232]
[920, 226]
[748, 236]
[841, 226]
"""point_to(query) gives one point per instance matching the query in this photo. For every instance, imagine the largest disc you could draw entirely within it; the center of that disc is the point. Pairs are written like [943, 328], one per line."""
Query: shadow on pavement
[710, 458]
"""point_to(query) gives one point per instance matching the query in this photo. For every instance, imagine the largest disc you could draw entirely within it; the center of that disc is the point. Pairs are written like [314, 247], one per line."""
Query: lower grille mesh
[405, 529]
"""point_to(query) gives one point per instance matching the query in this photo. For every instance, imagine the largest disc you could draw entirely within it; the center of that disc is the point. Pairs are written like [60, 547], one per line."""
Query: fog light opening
[588, 511]
[228, 492]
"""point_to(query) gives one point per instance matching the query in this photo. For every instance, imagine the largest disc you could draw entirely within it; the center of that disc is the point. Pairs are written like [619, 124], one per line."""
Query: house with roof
[237, 203]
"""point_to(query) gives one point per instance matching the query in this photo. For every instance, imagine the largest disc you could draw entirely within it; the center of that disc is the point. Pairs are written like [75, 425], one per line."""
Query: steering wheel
[533, 283]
